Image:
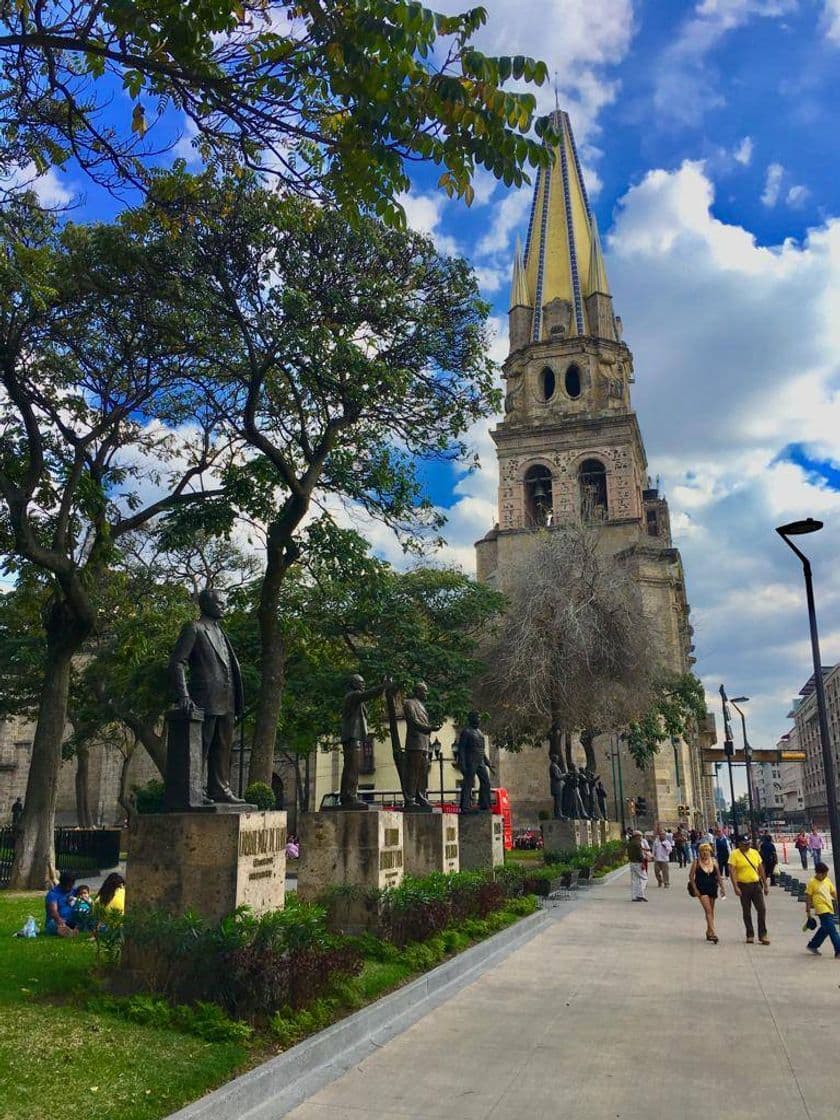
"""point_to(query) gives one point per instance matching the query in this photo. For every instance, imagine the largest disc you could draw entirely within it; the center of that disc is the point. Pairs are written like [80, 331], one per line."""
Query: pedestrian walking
[705, 883]
[637, 859]
[767, 851]
[749, 882]
[820, 896]
[815, 845]
[662, 846]
[693, 838]
[722, 849]
[801, 845]
[681, 847]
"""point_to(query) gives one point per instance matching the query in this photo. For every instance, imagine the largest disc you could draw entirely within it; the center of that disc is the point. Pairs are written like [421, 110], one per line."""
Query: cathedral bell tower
[570, 451]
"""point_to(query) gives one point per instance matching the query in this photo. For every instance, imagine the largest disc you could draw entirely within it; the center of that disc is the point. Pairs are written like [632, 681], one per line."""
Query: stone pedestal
[430, 843]
[207, 862]
[560, 836]
[358, 849]
[183, 782]
[482, 841]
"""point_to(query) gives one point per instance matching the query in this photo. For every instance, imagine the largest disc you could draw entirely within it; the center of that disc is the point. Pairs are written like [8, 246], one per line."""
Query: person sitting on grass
[820, 897]
[59, 905]
[83, 909]
[111, 895]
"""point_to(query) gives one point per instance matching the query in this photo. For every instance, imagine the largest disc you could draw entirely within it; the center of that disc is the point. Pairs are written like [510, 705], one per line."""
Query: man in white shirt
[662, 845]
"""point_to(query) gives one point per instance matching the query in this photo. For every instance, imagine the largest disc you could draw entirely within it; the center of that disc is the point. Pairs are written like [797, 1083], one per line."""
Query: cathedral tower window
[539, 500]
[572, 381]
[548, 383]
[593, 490]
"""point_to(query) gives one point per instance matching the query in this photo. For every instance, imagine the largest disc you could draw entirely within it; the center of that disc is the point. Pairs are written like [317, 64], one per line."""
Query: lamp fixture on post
[799, 529]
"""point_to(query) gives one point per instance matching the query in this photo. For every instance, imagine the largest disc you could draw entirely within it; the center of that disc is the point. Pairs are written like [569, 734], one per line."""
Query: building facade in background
[569, 447]
[806, 730]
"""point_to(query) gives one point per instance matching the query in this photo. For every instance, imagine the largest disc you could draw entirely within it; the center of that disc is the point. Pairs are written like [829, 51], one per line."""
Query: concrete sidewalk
[621, 1010]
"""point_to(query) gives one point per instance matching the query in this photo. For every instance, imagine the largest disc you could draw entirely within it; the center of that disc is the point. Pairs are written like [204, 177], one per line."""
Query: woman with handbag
[705, 883]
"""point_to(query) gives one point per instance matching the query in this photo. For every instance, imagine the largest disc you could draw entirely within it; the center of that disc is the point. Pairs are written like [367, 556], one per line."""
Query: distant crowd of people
[716, 860]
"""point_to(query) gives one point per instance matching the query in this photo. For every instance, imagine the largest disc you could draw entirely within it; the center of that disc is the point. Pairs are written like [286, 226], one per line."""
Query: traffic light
[641, 807]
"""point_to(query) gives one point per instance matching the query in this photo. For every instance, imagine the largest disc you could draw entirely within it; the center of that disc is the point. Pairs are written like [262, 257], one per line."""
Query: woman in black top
[707, 882]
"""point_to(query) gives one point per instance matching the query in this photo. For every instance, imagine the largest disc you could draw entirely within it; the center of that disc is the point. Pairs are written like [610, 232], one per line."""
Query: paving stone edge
[273, 1089]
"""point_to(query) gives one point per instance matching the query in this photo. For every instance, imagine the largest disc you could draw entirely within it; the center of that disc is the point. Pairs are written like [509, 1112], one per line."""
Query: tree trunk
[34, 863]
[272, 670]
[124, 797]
[586, 739]
[555, 744]
[83, 813]
[569, 761]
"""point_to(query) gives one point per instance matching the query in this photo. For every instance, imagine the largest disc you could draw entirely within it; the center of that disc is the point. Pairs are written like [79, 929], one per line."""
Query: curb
[273, 1089]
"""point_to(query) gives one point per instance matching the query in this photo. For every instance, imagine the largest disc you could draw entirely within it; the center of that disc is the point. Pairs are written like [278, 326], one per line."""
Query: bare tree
[576, 651]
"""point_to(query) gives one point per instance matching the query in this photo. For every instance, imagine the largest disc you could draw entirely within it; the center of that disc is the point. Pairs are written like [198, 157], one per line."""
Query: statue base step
[482, 843]
[430, 843]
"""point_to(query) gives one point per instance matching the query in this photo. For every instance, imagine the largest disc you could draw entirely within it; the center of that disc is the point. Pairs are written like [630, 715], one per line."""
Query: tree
[94, 388]
[342, 610]
[332, 98]
[575, 652]
[352, 353]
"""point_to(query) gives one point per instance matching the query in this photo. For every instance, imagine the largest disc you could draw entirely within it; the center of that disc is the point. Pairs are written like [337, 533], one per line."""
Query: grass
[48, 1045]
[524, 855]
[50, 1042]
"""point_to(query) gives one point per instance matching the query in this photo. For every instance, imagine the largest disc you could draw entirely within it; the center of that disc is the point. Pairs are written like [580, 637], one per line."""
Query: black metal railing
[83, 850]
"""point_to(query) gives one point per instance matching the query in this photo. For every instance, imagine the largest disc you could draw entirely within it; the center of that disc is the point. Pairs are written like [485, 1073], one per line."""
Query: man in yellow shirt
[820, 897]
[750, 884]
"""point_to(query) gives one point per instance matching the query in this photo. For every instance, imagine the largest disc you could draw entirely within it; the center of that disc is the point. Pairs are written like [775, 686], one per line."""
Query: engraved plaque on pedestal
[431, 843]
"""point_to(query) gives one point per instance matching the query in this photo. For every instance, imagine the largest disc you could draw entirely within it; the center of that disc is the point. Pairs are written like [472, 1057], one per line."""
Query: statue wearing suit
[205, 674]
[418, 728]
[354, 732]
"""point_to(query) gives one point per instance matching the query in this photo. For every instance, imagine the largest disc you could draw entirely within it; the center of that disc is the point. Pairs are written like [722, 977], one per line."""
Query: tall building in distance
[569, 447]
[807, 736]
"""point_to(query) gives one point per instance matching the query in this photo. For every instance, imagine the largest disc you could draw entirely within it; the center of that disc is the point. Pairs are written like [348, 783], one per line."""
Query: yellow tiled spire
[563, 259]
[597, 280]
[519, 296]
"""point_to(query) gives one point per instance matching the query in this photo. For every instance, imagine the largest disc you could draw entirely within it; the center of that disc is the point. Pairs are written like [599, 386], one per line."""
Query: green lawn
[54, 1057]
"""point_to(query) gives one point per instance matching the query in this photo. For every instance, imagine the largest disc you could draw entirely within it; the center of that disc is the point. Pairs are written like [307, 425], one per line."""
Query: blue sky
[708, 135]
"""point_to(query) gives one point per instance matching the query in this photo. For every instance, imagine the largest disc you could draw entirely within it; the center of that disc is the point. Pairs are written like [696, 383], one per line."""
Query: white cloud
[797, 196]
[424, 213]
[831, 20]
[52, 192]
[735, 349]
[685, 86]
[744, 152]
[507, 217]
[772, 185]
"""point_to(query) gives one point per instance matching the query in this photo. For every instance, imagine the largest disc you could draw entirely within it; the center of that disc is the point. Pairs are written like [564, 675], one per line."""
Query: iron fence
[82, 850]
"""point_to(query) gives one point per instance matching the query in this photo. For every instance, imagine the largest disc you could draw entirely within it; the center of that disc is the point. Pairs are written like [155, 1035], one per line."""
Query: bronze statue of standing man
[205, 656]
[418, 728]
[354, 732]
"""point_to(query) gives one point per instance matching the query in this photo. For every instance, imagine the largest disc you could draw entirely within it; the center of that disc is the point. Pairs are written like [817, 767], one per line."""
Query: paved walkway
[621, 1010]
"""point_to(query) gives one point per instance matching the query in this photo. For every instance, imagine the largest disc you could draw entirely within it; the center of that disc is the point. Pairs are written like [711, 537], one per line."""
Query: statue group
[415, 756]
[577, 792]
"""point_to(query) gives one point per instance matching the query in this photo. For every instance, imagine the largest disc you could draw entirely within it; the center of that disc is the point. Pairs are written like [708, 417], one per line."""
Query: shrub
[149, 798]
[249, 966]
[262, 795]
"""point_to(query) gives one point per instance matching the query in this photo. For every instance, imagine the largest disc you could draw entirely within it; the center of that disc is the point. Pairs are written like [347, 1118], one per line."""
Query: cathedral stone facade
[569, 447]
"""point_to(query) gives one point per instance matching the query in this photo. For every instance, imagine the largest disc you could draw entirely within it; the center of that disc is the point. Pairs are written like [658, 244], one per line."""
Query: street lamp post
[615, 754]
[729, 750]
[798, 529]
[747, 759]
